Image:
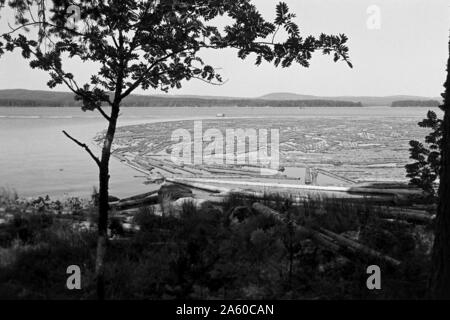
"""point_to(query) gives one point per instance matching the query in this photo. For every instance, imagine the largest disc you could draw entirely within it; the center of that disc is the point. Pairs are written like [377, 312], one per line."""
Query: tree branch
[103, 113]
[84, 146]
[41, 23]
[136, 84]
[142, 77]
[210, 82]
[76, 90]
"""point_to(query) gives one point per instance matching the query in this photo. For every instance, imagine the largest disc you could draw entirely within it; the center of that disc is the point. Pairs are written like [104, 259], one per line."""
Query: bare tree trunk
[103, 206]
[440, 275]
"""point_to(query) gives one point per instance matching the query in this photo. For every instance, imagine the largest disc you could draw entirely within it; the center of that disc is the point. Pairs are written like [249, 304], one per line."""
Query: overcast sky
[406, 55]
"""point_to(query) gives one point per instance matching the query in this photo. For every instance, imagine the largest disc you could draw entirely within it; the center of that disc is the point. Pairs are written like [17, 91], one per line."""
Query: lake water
[37, 159]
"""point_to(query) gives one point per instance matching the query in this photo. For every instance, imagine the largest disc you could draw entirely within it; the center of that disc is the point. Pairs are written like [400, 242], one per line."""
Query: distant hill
[365, 100]
[36, 98]
[191, 96]
[287, 96]
[33, 98]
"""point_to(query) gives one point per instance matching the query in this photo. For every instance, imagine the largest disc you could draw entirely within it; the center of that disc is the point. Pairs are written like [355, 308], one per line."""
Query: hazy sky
[406, 55]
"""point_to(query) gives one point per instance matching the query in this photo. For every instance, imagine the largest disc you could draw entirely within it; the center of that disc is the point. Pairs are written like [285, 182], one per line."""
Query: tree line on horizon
[416, 103]
[185, 102]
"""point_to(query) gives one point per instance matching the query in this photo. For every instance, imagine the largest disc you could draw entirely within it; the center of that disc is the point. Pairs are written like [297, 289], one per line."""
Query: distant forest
[142, 101]
[416, 103]
[33, 103]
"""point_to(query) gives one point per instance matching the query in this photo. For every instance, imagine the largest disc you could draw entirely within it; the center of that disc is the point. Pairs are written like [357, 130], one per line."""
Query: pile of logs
[330, 240]
[140, 200]
[386, 212]
[349, 190]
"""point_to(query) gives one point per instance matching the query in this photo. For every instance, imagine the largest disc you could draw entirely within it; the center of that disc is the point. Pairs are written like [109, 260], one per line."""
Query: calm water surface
[37, 159]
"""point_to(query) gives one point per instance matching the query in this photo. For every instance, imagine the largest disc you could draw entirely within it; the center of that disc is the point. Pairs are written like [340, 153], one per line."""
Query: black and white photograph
[224, 150]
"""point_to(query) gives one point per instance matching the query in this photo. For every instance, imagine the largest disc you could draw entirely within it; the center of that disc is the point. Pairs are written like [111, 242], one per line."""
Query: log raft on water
[135, 167]
[143, 164]
[333, 175]
[248, 171]
[179, 168]
[229, 171]
[160, 166]
[200, 186]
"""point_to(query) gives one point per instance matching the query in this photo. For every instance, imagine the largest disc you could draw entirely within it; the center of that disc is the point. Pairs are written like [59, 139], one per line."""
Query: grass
[208, 253]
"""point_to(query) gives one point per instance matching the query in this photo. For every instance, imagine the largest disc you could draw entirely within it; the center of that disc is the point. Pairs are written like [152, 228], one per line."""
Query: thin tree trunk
[440, 275]
[103, 205]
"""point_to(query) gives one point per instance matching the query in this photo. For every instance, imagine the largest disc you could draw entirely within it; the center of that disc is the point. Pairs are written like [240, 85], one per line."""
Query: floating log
[143, 164]
[172, 166]
[133, 166]
[197, 185]
[350, 190]
[226, 171]
[195, 170]
[191, 171]
[234, 169]
[333, 175]
[220, 176]
[160, 166]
